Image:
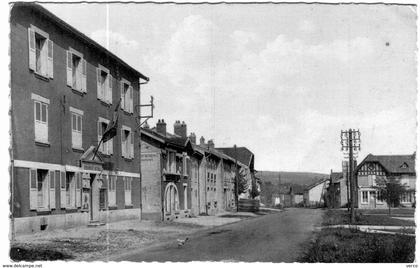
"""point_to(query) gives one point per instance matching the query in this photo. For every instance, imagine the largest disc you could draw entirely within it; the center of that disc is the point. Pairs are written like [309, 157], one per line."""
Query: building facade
[313, 195]
[64, 90]
[182, 178]
[374, 170]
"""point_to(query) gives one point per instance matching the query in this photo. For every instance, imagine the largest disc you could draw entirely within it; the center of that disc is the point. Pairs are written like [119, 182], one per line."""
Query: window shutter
[69, 67]
[100, 135]
[122, 95]
[130, 108]
[122, 143]
[111, 146]
[50, 65]
[32, 52]
[84, 89]
[131, 144]
[110, 80]
[33, 194]
[52, 189]
[63, 190]
[78, 190]
[98, 82]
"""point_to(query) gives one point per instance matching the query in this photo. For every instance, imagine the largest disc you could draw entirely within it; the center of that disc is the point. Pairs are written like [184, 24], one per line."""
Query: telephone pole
[350, 144]
[140, 120]
[237, 179]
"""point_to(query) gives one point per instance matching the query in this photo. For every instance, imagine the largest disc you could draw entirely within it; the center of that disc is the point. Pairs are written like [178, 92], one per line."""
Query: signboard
[91, 166]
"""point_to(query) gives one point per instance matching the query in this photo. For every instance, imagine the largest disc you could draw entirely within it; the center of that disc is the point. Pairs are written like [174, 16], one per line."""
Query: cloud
[187, 55]
[117, 41]
[307, 26]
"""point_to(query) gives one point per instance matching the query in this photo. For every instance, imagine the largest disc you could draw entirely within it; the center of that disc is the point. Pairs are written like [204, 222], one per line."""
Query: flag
[111, 130]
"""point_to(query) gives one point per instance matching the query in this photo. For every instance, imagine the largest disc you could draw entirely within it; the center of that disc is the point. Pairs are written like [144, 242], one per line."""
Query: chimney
[161, 127]
[192, 138]
[202, 141]
[180, 129]
[211, 144]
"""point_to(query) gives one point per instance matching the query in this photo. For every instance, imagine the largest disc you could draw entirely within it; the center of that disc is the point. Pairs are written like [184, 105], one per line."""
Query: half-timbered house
[375, 169]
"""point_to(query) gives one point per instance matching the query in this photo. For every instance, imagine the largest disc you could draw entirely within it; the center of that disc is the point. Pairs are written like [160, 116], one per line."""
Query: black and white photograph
[223, 132]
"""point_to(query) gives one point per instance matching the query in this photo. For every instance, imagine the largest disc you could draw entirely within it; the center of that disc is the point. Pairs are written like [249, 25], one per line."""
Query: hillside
[300, 178]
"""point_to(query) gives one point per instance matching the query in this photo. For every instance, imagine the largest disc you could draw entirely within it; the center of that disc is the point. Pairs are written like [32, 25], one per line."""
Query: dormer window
[404, 165]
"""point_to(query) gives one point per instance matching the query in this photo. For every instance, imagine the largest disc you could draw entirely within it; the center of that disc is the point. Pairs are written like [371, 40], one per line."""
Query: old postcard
[224, 132]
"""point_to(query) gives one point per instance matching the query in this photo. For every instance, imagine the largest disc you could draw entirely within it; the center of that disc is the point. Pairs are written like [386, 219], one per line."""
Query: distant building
[375, 168]
[245, 160]
[288, 195]
[181, 178]
[314, 194]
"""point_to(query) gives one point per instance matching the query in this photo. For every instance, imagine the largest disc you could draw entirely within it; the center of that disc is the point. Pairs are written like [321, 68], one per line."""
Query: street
[271, 238]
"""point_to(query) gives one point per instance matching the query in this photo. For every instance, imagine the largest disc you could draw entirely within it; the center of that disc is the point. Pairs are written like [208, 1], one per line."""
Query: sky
[280, 79]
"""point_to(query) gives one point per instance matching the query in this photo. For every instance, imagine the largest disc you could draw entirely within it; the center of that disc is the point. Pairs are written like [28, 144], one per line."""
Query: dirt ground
[92, 243]
[101, 242]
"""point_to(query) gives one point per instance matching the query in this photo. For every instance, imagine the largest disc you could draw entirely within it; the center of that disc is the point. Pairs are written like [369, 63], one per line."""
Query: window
[39, 190]
[171, 164]
[372, 180]
[406, 197]
[126, 96]
[41, 118]
[379, 197]
[365, 197]
[42, 188]
[111, 191]
[104, 84]
[127, 188]
[70, 186]
[105, 147]
[76, 128]
[127, 142]
[40, 52]
[76, 70]
[185, 197]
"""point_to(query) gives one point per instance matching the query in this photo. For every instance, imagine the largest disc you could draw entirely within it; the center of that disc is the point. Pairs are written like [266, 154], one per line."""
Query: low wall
[35, 224]
[249, 205]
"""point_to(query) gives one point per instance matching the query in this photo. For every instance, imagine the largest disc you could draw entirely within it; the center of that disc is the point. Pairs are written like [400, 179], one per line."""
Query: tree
[267, 189]
[254, 189]
[390, 189]
[242, 182]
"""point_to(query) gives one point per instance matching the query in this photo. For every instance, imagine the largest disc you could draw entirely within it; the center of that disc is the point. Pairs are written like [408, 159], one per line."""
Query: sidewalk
[404, 230]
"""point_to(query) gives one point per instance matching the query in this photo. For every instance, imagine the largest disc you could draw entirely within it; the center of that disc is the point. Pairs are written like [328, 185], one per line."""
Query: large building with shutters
[64, 90]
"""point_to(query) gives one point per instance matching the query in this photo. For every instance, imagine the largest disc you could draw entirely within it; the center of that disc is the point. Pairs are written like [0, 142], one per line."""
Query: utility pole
[237, 179]
[350, 141]
[139, 124]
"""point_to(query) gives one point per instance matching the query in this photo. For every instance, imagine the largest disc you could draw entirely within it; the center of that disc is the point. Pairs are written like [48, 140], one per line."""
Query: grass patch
[394, 211]
[336, 217]
[24, 253]
[346, 246]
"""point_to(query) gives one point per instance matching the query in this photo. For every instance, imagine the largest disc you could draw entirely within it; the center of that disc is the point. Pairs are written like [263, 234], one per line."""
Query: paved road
[270, 238]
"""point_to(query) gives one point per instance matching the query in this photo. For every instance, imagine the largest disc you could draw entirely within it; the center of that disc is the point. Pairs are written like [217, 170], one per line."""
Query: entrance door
[171, 199]
[94, 197]
[372, 201]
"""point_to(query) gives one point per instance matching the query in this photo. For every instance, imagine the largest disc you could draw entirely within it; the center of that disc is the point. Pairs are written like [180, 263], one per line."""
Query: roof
[393, 163]
[73, 30]
[244, 155]
[298, 189]
[314, 184]
[168, 139]
[336, 176]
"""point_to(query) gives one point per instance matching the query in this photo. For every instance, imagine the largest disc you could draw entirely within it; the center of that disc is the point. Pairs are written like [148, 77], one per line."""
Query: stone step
[95, 224]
